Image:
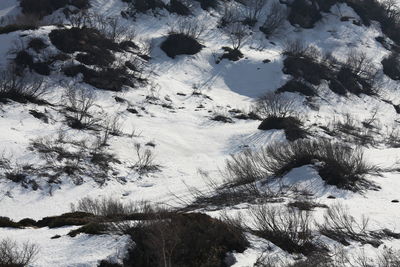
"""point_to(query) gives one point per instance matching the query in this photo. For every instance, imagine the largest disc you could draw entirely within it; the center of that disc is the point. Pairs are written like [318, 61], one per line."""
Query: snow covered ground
[186, 140]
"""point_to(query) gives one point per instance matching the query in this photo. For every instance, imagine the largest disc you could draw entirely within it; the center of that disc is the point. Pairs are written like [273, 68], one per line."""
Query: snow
[187, 141]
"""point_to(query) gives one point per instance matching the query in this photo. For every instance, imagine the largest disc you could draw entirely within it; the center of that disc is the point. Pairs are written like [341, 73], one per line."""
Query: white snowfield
[186, 141]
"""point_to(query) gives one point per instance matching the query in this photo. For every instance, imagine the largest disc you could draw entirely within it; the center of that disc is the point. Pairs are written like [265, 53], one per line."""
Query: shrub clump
[13, 254]
[356, 74]
[16, 27]
[179, 7]
[21, 89]
[337, 164]
[71, 218]
[43, 8]
[391, 66]
[167, 241]
[385, 12]
[298, 86]
[291, 125]
[7, 222]
[289, 229]
[180, 44]
[279, 113]
[81, 40]
[304, 13]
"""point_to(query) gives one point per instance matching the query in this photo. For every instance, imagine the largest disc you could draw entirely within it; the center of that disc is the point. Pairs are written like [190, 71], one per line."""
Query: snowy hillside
[199, 133]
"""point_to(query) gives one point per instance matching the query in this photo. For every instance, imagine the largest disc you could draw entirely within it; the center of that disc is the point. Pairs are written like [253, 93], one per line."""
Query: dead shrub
[289, 229]
[339, 225]
[14, 254]
[337, 164]
[275, 20]
[145, 161]
[80, 102]
[21, 89]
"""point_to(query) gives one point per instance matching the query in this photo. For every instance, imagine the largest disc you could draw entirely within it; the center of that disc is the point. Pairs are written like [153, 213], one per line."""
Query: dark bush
[81, 40]
[107, 79]
[72, 218]
[356, 75]
[230, 54]
[208, 4]
[21, 89]
[391, 66]
[291, 125]
[178, 7]
[97, 57]
[298, 86]
[184, 240]
[326, 5]
[27, 222]
[25, 60]
[347, 81]
[304, 13]
[222, 118]
[306, 68]
[43, 8]
[16, 27]
[388, 15]
[7, 222]
[92, 228]
[37, 44]
[180, 44]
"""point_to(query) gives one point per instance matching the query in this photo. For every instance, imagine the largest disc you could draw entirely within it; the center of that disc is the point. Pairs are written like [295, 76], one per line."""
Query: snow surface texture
[186, 139]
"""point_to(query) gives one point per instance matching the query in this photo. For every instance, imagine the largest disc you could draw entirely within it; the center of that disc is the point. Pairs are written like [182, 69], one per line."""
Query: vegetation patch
[180, 44]
[298, 86]
[291, 125]
[168, 240]
[43, 8]
[391, 66]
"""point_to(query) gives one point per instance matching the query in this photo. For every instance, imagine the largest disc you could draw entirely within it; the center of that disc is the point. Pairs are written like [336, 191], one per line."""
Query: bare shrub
[244, 168]
[80, 102]
[230, 14]
[108, 206]
[275, 105]
[145, 160]
[289, 229]
[339, 225]
[388, 258]
[13, 254]
[252, 10]
[361, 65]
[237, 33]
[112, 126]
[337, 164]
[278, 112]
[21, 88]
[111, 27]
[294, 47]
[188, 27]
[275, 19]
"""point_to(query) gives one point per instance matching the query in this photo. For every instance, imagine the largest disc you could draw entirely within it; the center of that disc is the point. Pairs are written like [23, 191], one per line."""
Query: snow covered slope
[172, 116]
